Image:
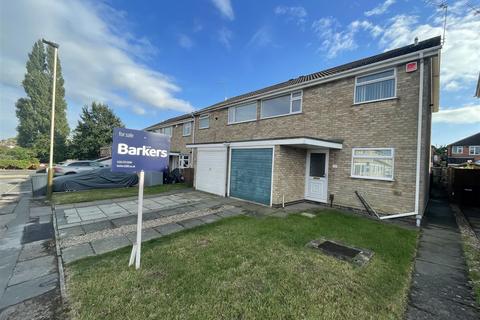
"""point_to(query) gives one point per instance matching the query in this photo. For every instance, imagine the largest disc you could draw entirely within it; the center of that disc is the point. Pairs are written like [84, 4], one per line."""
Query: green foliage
[17, 158]
[34, 111]
[94, 130]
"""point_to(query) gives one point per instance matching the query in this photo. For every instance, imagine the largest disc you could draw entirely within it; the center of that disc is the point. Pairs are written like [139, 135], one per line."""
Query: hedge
[19, 164]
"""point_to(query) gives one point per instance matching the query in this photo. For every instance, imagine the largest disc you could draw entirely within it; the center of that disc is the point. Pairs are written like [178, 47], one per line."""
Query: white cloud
[299, 14]
[225, 8]
[139, 110]
[261, 38]
[461, 51]
[380, 9]
[185, 41]
[334, 39]
[101, 59]
[463, 115]
[225, 36]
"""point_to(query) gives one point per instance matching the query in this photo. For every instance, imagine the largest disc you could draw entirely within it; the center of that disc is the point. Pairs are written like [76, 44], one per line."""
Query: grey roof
[428, 43]
[473, 140]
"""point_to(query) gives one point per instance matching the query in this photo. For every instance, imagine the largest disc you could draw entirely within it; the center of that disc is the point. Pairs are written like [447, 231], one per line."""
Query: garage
[251, 174]
[211, 172]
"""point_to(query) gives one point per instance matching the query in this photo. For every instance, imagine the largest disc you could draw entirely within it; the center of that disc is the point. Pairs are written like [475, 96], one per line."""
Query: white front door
[316, 187]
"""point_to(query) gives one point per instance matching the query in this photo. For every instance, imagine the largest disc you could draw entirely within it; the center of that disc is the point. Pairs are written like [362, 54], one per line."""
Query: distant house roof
[422, 45]
[477, 93]
[473, 140]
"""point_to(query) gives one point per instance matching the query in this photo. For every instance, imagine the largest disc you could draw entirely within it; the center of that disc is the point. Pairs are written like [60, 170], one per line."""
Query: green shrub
[17, 158]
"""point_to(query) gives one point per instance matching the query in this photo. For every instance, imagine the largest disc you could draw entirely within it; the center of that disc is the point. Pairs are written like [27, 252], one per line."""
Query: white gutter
[400, 215]
[419, 143]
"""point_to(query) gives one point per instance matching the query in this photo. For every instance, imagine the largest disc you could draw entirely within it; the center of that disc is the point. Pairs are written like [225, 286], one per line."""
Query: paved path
[440, 288]
[28, 266]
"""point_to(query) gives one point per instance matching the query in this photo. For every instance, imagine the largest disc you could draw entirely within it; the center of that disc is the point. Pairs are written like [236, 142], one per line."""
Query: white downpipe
[419, 143]
[400, 215]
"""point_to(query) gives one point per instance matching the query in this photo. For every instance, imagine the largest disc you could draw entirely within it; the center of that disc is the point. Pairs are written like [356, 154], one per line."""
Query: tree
[94, 130]
[34, 111]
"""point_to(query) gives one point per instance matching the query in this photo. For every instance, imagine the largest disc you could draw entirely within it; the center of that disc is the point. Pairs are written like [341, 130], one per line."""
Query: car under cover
[94, 179]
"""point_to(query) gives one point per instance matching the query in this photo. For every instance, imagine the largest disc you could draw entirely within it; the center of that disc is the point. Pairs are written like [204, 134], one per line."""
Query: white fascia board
[270, 143]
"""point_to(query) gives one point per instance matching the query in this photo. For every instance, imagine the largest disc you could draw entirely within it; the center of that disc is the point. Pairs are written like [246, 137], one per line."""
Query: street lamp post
[52, 118]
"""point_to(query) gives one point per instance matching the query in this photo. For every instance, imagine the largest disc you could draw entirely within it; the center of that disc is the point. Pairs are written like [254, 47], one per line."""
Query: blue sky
[153, 60]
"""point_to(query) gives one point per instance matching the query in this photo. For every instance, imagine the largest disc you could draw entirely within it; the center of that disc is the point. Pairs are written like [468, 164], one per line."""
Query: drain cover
[337, 249]
[341, 251]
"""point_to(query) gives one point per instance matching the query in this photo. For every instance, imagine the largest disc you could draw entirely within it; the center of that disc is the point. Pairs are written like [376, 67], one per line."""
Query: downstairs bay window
[372, 163]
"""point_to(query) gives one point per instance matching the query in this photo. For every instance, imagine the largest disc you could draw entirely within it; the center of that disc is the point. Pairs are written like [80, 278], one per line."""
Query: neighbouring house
[464, 150]
[363, 126]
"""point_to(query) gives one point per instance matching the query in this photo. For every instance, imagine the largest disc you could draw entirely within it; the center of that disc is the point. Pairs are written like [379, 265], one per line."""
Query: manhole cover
[342, 251]
[337, 249]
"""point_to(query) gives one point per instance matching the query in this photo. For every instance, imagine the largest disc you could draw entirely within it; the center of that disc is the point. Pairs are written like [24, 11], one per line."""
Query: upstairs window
[372, 163]
[187, 129]
[204, 122]
[282, 105]
[376, 86]
[166, 130]
[457, 149]
[474, 150]
[244, 113]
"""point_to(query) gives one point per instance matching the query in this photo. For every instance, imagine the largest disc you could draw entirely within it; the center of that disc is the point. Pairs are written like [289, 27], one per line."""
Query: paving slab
[31, 269]
[147, 234]
[71, 254]
[169, 228]
[210, 218]
[191, 223]
[36, 249]
[97, 226]
[29, 289]
[71, 232]
[110, 244]
[40, 211]
[124, 221]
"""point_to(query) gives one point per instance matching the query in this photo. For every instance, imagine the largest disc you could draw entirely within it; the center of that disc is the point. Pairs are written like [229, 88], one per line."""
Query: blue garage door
[251, 174]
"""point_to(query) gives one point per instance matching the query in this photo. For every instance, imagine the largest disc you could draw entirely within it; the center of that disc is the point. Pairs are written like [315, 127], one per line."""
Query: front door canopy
[299, 142]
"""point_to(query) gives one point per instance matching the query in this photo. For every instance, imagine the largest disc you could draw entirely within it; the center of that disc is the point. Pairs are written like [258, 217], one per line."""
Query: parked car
[71, 167]
[98, 178]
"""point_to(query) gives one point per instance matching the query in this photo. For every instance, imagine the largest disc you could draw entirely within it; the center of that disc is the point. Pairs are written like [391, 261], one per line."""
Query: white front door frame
[308, 179]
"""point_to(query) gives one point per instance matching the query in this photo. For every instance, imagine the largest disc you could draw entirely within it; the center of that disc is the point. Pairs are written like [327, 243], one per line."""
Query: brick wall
[288, 174]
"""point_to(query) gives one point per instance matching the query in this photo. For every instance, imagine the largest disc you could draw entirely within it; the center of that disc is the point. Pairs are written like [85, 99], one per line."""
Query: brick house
[363, 126]
[464, 150]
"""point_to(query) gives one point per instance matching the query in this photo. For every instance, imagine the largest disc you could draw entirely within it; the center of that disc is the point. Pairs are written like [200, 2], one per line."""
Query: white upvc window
[187, 129]
[204, 121]
[474, 150]
[376, 86]
[372, 163]
[242, 113]
[457, 149]
[282, 105]
[184, 161]
[166, 130]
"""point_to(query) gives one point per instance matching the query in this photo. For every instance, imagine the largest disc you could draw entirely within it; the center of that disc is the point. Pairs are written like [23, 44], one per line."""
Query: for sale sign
[135, 150]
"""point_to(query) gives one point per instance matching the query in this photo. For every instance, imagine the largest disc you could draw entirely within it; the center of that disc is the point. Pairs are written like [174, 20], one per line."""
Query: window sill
[203, 128]
[370, 178]
[230, 123]
[373, 101]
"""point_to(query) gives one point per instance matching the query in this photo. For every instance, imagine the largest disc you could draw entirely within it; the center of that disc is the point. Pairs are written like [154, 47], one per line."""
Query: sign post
[137, 151]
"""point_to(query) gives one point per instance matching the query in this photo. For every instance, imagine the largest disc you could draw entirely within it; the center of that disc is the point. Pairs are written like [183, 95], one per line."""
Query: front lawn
[102, 194]
[251, 268]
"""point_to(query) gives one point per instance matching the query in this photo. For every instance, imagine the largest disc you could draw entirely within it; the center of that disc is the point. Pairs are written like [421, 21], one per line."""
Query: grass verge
[250, 268]
[102, 194]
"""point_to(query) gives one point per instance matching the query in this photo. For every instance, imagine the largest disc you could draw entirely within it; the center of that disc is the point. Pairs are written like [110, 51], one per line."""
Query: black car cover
[94, 179]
